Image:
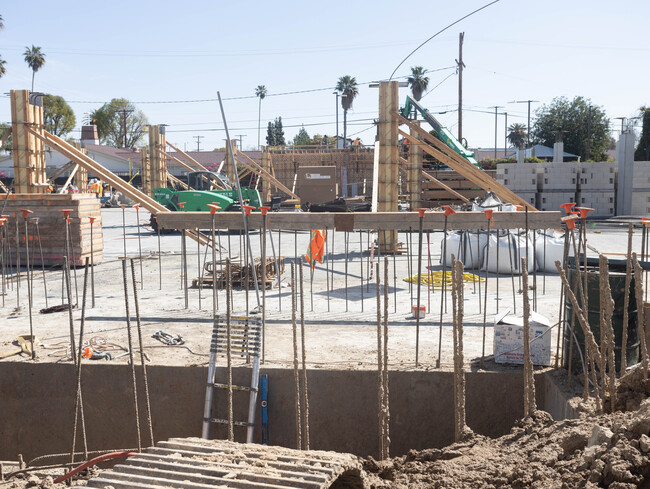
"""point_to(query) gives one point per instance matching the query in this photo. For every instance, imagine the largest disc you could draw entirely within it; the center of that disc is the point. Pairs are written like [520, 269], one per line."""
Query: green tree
[278, 132]
[302, 138]
[260, 92]
[8, 144]
[418, 82]
[517, 135]
[58, 116]
[573, 118]
[3, 69]
[642, 152]
[270, 134]
[35, 59]
[347, 87]
[119, 123]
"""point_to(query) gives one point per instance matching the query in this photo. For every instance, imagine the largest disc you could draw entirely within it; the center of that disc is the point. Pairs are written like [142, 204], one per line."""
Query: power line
[440, 32]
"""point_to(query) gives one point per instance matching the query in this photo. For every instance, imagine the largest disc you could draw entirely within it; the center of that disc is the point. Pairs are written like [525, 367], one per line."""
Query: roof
[206, 158]
[540, 151]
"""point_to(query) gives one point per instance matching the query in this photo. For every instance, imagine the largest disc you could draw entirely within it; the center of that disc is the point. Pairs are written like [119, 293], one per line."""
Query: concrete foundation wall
[36, 402]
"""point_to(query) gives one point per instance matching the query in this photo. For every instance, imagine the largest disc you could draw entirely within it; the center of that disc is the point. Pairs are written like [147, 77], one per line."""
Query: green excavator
[443, 133]
[205, 187]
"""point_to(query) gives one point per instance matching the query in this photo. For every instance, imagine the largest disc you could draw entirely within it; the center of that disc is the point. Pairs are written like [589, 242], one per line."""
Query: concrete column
[625, 179]
[388, 164]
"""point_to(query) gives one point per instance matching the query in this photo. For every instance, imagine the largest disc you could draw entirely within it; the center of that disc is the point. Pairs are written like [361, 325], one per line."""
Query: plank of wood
[473, 174]
[305, 221]
[177, 181]
[96, 169]
[257, 169]
[64, 189]
[440, 184]
[198, 165]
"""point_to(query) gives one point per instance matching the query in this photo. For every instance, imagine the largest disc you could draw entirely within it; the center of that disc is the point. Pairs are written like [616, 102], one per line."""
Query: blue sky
[178, 51]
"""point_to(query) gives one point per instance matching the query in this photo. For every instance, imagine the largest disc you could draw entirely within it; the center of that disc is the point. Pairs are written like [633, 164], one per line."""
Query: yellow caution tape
[435, 279]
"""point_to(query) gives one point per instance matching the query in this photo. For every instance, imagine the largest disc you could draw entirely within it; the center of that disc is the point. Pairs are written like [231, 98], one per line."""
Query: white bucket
[554, 250]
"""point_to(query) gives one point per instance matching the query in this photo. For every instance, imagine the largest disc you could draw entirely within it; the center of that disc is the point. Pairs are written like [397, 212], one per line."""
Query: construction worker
[49, 189]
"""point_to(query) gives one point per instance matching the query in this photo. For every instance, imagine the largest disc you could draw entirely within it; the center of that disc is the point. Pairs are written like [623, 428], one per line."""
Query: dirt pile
[608, 450]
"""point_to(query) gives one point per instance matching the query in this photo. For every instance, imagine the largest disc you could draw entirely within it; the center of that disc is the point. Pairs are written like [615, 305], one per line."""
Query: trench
[36, 402]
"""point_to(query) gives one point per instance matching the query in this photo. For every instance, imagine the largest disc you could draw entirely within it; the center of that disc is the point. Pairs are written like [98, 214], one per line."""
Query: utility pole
[527, 127]
[496, 113]
[241, 143]
[460, 65]
[337, 119]
[588, 149]
[198, 142]
[124, 113]
[505, 136]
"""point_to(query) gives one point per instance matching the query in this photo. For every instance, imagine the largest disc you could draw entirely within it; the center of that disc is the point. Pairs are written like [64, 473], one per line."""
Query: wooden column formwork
[414, 175]
[157, 157]
[145, 171]
[28, 151]
[266, 184]
[51, 223]
[81, 176]
[388, 168]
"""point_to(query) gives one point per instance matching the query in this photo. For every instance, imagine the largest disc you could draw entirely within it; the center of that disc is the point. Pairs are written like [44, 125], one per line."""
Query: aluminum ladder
[245, 341]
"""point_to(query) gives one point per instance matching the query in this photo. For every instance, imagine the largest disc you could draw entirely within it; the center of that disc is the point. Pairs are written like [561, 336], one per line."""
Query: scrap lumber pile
[216, 272]
[51, 227]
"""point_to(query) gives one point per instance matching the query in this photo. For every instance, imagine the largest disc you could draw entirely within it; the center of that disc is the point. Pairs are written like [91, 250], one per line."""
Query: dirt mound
[610, 450]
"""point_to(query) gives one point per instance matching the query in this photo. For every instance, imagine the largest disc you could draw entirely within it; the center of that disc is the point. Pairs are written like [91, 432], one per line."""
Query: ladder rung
[234, 387]
[225, 421]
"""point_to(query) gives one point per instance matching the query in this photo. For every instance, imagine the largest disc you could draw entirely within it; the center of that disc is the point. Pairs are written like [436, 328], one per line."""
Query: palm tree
[517, 135]
[260, 92]
[3, 70]
[35, 59]
[347, 86]
[418, 82]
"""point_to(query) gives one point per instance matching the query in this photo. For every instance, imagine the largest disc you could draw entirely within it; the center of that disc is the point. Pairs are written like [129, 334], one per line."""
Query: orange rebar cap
[449, 211]
[213, 208]
[25, 213]
[248, 209]
[584, 211]
[92, 219]
[136, 206]
[570, 223]
[66, 213]
[567, 207]
[265, 209]
[421, 212]
[645, 221]
[488, 213]
[519, 207]
[181, 205]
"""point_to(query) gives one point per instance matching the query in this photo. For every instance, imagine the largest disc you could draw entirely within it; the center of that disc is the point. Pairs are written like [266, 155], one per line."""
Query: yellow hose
[434, 279]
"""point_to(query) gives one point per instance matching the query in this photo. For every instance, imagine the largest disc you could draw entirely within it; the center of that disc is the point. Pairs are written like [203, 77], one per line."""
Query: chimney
[89, 135]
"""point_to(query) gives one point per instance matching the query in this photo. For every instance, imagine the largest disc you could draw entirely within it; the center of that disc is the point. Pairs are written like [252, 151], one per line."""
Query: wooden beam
[60, 171]
[385, 221]
[256, 168]
[177, 181]
[439, 183]
[98, 170]
[474, 175]
[64, 189]
[198, 165]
